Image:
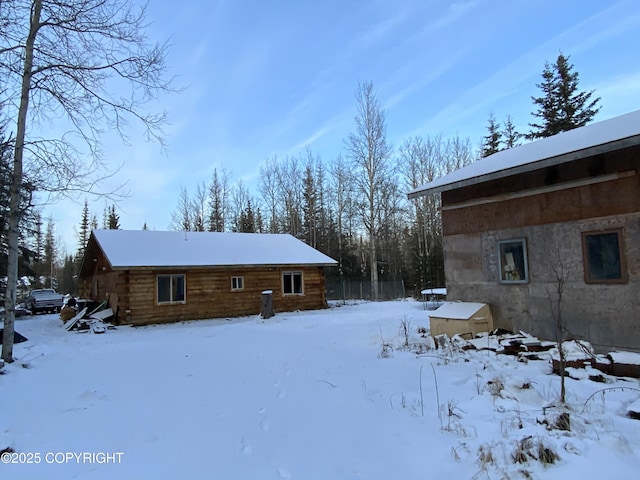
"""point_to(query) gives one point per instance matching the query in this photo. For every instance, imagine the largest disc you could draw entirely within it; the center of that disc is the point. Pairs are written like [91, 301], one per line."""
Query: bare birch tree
[88, 65]
[419, 164]
[199, 207]
[369, 151]
[182, 216]
[290, 188]
[240, 200]
[270, 191]
[341, 195]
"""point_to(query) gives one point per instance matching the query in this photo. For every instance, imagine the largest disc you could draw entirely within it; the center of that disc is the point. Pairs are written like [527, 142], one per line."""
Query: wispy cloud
[591, 33]
[454, 13]
[250, 61]
[425, 77]
[373, 35]
[338, 122]
[620, 94]
[377, 31]
[527, 67]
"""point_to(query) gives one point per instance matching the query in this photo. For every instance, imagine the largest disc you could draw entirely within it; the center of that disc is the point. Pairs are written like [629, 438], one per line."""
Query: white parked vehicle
[44, 300]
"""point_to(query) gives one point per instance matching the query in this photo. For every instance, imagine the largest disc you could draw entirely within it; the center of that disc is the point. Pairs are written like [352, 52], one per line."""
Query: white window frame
[237, 283]
[173, 279]
[292, 274]
[508, 272]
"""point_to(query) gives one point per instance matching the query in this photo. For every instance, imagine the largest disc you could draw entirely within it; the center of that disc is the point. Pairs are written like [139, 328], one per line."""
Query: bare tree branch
[87, 64]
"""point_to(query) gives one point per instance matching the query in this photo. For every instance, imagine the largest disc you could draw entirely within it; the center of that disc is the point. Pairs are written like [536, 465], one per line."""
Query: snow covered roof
[600, 137]
[434, 291]
[457, 310]
[145, 248]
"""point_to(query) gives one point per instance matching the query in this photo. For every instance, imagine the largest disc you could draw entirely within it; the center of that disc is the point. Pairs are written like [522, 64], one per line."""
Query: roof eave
[531, 166]
[200, 267]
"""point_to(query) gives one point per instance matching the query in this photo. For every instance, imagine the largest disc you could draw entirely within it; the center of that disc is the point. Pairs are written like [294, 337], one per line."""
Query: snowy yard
[302, 396]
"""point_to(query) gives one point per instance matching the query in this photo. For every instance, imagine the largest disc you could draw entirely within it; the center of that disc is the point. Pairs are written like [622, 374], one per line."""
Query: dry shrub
[387, 351]
[530, 448]
[405, 332]
[485, 456]
[495, 387]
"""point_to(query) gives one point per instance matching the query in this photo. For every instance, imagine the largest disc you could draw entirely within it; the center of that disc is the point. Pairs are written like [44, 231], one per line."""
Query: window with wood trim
[171, 288]
[292, 283]
[512, 261]
[603, 257]
[237, 283]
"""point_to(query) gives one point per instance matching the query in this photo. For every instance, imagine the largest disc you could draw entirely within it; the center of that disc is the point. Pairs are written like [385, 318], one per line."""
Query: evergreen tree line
[42, 263]
[39, 256]
[322, 204]
[30, 258]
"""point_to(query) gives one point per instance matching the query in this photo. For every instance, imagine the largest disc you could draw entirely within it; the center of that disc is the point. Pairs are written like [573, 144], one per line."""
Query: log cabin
[558, 213]
[151, 277]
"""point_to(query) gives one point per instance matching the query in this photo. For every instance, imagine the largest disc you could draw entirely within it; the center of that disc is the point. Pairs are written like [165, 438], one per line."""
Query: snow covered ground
[302, 395]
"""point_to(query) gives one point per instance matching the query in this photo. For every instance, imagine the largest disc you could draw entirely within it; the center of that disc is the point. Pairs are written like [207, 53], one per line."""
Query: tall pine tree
[510, 133]
[50, 254]
[5, 176]
[113, 219]
[562, 106]
[491, 141]
[67, 282]
[84, 232]
[29, 216]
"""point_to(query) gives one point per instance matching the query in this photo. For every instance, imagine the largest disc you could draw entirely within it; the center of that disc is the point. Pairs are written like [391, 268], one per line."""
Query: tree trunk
[374, 268]
[15, 214]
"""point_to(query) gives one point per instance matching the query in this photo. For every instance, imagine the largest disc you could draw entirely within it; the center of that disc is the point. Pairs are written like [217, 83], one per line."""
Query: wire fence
[353, 289]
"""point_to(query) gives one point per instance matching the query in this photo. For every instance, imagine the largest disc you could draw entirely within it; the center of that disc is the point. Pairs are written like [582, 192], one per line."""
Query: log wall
[208, 293]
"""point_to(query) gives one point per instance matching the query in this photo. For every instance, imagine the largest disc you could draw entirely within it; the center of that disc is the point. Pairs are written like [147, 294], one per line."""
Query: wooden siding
[615, 197]
[208, 293]
[590, 167]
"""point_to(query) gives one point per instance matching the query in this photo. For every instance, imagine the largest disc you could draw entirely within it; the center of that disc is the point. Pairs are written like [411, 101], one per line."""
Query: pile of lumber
[94, 321]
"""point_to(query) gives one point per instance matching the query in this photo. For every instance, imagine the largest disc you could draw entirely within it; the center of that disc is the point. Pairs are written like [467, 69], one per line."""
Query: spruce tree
[259, 223]
[113, 219]
[491, 141]
[30, 233]
[68, 283]
[310, 208]
[510, 133]
[247, 219]
[83, 233]
[5, 175]
[38, 240]
[50, 253]
[562, 106]
[218, 199]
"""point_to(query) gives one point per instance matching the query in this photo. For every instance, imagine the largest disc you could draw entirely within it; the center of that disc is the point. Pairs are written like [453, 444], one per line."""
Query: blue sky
[268, 78]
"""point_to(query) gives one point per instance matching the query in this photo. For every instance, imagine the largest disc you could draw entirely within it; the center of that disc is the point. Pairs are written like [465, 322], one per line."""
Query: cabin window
[512, 259]
[603, 257]
[237, 283]
[292, 283]
[171, 288]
